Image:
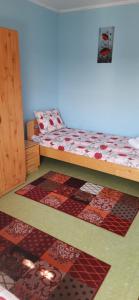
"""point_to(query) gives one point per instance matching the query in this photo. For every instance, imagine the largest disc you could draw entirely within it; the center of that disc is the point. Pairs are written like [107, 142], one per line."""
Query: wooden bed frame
[83, 161]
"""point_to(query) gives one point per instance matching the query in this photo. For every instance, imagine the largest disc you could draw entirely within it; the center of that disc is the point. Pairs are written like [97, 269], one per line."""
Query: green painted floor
[122, 253]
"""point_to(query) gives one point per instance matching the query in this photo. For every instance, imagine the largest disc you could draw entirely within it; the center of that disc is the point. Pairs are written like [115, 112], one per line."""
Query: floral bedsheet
[111, 148]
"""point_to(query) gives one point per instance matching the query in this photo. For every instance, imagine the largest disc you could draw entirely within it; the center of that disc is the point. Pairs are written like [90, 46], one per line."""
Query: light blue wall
[59, 68]
[102, 97]
[37, 29]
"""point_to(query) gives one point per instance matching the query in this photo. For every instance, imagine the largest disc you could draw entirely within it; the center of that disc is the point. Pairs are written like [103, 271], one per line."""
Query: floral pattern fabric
[49, 120]
[111, 148]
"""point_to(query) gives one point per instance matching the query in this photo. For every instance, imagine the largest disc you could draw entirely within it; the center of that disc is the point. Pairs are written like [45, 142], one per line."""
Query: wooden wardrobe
[12, 150]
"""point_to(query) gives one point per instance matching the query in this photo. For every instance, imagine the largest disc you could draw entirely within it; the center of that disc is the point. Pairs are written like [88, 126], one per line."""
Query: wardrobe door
[12, 153]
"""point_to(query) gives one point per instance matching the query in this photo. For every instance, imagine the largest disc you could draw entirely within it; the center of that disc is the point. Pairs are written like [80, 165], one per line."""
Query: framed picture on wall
[105, 44]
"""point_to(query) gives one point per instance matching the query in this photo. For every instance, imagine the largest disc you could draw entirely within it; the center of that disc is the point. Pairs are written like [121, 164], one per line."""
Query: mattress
[110, 148]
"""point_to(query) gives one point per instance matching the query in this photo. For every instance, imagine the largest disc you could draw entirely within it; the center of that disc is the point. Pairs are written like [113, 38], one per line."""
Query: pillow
[45, 121]
[49, 120]
[57, 119]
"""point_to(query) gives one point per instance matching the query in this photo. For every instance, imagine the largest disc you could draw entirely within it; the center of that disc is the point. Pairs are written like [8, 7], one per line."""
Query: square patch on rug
[104, 207]
[37, 266]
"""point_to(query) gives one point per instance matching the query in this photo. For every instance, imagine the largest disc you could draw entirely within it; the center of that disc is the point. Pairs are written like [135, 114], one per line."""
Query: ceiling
[71, 5]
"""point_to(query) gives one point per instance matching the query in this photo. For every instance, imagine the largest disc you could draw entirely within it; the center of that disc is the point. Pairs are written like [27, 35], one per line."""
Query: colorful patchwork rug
[104, 207]
[37, 266]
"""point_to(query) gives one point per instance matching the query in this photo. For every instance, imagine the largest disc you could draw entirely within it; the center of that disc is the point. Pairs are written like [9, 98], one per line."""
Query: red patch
[81, 147]
[61, 148]
[122, 154]
[127, 147]
[103, 147]
[67, 139]
[41, 126]
[51, 122]
[58, 120]
[98, 155]
[105, 51]
[41, 117]
[105, 37]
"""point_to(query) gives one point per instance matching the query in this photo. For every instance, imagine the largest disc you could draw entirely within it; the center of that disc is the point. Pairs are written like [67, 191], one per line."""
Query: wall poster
[105, 44]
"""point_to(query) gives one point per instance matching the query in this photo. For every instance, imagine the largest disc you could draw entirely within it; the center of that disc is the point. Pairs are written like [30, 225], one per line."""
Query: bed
[111, 154]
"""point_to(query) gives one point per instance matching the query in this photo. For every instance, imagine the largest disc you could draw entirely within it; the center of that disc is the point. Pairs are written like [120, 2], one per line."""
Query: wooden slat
[32, 151]
[29, 144]
[12, 161]
[99, 165]
[32, 160]
[32, 128]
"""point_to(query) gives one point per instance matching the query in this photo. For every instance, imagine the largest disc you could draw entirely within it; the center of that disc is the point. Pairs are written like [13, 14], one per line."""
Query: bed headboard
[32, 128]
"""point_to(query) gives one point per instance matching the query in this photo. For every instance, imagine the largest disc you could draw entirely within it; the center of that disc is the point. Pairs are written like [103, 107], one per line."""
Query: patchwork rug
[37, 266]
[104, 207]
